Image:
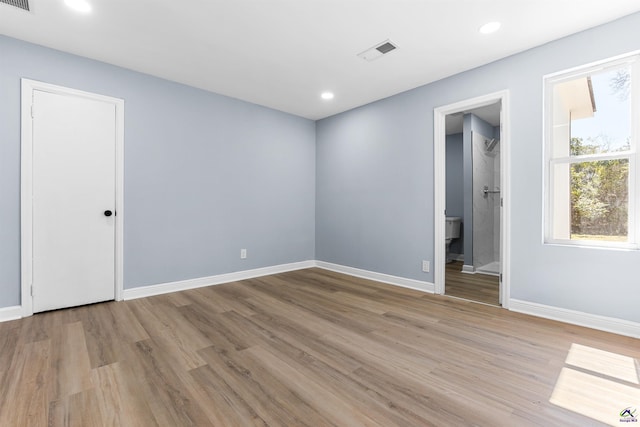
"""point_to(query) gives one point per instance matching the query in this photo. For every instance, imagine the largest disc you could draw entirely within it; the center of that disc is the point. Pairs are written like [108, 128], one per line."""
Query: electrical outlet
[425, 266]
[243, 254]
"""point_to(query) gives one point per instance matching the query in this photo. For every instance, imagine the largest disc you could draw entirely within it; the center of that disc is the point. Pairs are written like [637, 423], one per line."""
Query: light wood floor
[475, 287]
[305, 348]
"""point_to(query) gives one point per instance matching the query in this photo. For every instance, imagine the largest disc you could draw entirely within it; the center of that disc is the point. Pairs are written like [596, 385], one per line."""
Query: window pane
[601, 112]
[590, 116]
[599, 200]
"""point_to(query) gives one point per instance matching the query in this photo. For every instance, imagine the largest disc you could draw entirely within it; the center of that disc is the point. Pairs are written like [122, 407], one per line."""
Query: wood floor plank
[125, 324]
[268, 398]
[84, 410]
[402, 360]
[176, 335]
[315, 305]
[77, 410]
[169, 398]
[230, 407]
[475, 287]
[309, 348]
[70, 364]
[120, 399]
[9, 338]
[219, 330]
[38, 328]
[225, 298]
[321, 394]
[340, 382]
[299, 313]
[411, 396]
[24, 390]
[281, 332]
[103, 343]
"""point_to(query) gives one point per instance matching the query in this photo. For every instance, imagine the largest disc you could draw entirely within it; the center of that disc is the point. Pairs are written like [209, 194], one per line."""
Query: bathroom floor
[475, 287]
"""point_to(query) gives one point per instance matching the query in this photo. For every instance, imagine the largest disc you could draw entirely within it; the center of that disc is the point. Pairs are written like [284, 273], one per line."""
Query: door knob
[107, 213]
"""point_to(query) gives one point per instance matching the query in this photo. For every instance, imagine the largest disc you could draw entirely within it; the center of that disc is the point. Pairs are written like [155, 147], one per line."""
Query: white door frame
[439, 159]
[26, 186]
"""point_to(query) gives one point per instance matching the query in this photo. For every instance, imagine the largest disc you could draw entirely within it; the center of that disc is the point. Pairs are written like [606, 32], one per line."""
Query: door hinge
[501, 201]
[500, 278]
[32, 112]
[31, 290]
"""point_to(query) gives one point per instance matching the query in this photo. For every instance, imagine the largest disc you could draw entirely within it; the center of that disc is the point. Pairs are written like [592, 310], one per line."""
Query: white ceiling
[283, 53]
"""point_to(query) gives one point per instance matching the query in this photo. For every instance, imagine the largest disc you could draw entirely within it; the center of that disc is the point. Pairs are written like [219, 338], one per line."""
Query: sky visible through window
[612, 121]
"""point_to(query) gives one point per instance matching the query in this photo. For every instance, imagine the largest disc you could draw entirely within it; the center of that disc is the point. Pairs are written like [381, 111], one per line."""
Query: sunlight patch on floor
[598, 384]
[603, 362]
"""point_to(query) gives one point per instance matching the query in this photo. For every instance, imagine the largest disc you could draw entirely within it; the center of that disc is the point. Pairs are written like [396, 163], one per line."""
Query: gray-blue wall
[374, 204]
[374, 186]
[454, 174]
[455, 188]
[205, 175]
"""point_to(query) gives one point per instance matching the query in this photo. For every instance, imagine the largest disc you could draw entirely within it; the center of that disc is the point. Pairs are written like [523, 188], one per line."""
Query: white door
[74, 184]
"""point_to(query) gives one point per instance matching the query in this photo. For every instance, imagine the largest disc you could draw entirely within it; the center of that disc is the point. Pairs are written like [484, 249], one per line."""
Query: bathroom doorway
[470, 155]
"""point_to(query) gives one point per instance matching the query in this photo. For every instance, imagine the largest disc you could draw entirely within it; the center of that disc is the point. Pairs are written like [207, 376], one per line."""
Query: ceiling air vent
[22, 4]
[378, 50]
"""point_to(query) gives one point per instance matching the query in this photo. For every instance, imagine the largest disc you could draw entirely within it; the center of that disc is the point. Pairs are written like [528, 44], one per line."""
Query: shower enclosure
[486, 204]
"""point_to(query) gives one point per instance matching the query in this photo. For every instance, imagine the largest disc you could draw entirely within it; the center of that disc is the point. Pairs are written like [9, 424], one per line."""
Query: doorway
[471, 187]
[71, 197]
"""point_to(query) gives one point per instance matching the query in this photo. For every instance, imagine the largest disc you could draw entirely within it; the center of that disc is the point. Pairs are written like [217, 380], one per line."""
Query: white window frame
[549, 81]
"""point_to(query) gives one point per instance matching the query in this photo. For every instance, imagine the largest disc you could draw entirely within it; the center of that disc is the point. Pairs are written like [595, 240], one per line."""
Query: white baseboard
[608, 324]
[378, 277]
[10, 313]
[182, 285]
[469, 269]
[594, 321]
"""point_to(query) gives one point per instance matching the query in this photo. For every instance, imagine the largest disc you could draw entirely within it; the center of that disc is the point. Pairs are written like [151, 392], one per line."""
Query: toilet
[451, 231]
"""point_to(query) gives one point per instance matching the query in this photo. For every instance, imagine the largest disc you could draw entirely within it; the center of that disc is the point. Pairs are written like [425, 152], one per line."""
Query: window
[592, 115]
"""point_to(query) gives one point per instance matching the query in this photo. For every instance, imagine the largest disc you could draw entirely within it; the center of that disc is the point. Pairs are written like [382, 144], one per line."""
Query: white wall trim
[378, 277]
[182, 285]
[10, 313]
[468, 269]
[26, 185]
[594, 321]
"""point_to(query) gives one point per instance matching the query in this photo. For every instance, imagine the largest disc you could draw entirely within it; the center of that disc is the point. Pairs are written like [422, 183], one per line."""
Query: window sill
[587, 244]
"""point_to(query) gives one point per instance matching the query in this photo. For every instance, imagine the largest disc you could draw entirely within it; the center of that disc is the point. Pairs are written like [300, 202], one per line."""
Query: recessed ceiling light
[327, 95]
[78, 5]
[490, 27]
